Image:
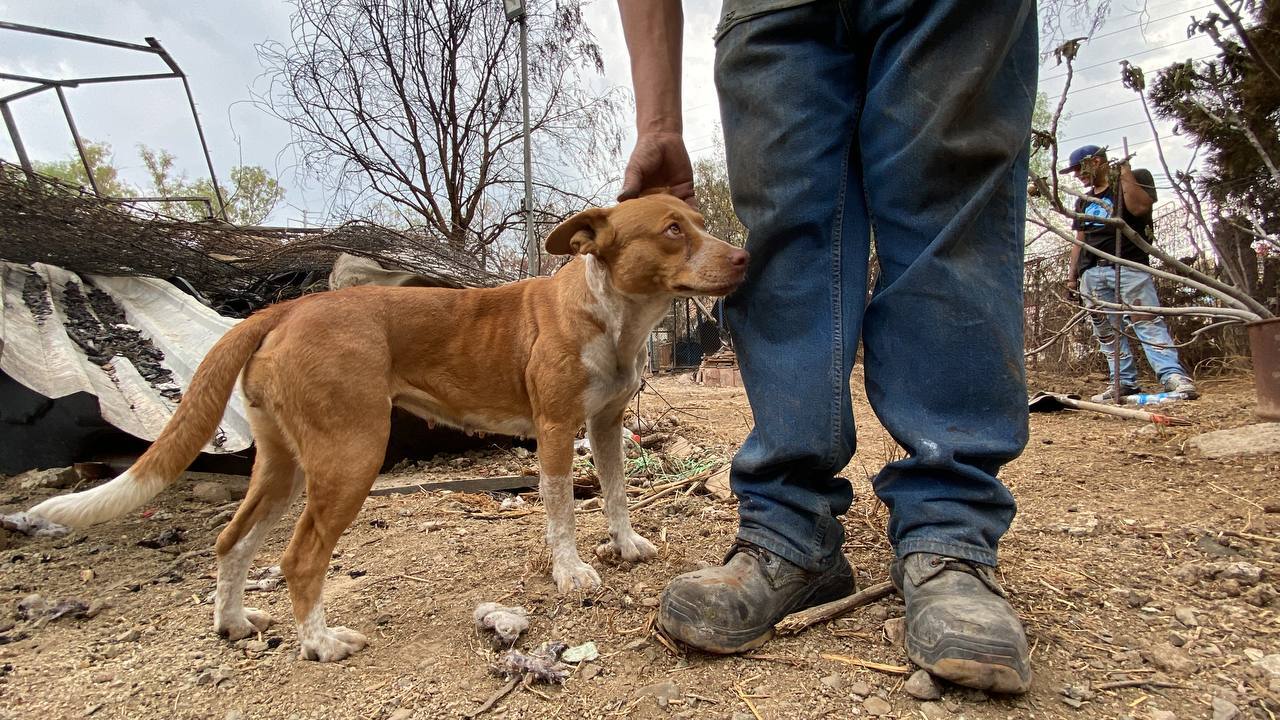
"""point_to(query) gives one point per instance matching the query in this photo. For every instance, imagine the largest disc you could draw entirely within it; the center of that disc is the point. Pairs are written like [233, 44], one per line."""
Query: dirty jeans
[1137, 288]
[908, 121]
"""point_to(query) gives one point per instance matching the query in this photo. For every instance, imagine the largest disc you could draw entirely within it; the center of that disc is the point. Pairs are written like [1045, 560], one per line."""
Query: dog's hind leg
[340, 465]
[274, 486]
[555, 461]
[604, 431]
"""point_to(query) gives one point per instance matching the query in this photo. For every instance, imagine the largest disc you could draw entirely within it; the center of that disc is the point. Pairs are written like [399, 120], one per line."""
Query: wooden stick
[795, 622]
[744, 698]
[494, 698]
[1250, 536]
[1140, 682]
[881, 667]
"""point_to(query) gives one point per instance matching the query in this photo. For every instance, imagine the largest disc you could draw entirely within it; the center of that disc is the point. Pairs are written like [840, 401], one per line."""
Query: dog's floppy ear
[581, 233]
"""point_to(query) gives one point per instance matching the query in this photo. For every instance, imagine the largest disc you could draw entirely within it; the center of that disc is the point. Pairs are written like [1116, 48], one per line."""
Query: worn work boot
[1179, 383]
[959, 625]
[1109, 395]
[734, 607]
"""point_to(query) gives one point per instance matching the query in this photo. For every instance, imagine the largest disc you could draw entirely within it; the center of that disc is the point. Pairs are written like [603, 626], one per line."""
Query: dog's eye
[673, 230]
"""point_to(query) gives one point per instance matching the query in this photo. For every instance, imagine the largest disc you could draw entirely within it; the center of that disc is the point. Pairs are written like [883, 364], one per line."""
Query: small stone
[662, 692]
[1242, 572]
[50, 479]
[1072, 702]
[214, 493]
[860, 688]
[234, 715]
[1224, 710]
[103, 677]
[1155, 714]
[835, 683]
[129, 636]
[1186, 616]
[401, 714]
[520, 452]
[934, 710]
[588, 671]
[877, 706]
[895, 631]
[1263, 595]
[1176, 639]
[1171, 660]
[1270, 664]
[922, 686]
[382, 620]
[256, 646]
[1137, 599]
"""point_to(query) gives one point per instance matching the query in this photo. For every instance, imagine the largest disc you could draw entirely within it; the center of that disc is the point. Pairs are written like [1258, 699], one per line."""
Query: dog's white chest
[613, 374]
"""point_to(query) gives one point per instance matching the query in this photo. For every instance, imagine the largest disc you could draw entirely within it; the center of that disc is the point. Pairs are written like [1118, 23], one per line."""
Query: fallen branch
[494, 698]
[1140, 682]
[880, 667]
[795, 622]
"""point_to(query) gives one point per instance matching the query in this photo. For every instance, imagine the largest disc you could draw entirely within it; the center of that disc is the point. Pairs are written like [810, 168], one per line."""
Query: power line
[1122, 57]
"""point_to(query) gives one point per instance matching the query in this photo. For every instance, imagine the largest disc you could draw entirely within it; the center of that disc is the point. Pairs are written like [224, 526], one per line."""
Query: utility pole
[517, 12]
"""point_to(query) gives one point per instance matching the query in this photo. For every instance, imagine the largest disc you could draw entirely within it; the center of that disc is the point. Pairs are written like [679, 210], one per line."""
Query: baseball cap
[1079, 155]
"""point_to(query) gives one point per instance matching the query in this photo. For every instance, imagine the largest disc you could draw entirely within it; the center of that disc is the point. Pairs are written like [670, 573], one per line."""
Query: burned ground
[1132, 561]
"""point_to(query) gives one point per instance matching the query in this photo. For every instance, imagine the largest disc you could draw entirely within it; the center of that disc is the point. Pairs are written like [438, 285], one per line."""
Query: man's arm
[1136, 199]
[654, 30]
[1073, 268]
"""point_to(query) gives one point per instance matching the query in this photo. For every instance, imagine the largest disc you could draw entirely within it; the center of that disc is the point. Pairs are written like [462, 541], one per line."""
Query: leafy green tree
[711, 188]
[253, 194]
[71, 170]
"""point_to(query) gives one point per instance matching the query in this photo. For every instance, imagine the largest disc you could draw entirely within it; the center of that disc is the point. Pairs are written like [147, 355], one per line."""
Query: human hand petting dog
[659, 160]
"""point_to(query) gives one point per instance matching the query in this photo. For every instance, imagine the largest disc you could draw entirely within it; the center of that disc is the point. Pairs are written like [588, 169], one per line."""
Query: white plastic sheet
[40, 355]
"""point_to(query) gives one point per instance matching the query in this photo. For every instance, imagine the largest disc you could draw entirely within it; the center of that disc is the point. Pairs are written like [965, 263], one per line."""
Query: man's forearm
[1073, 270]
[654, 30]
[1136, 199]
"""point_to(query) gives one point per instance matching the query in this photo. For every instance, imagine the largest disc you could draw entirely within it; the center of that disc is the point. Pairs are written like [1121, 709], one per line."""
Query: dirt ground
[1120, 562]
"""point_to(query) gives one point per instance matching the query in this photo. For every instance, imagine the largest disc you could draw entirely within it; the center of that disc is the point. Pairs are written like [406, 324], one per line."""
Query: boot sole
[677, 620]
[981, 666]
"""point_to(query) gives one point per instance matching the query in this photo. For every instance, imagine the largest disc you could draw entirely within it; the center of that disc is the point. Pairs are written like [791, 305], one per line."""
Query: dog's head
[654, 244]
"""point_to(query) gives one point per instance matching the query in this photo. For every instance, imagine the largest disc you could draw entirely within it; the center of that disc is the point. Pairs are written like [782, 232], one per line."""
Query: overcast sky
[214, 44]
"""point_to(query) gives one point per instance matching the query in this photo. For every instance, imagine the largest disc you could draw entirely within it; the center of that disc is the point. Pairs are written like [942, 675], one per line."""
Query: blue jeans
[1136, 288]
[907, 121]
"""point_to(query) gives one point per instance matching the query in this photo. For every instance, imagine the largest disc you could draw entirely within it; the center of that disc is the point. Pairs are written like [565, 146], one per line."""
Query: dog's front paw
[573, 575]
[332, 644]
[630, 547]
[252, 622]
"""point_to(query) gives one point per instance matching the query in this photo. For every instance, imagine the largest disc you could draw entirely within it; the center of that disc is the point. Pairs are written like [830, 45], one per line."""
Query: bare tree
[415, 105]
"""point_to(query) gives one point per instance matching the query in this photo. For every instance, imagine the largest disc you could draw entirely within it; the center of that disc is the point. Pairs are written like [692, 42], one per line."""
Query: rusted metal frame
[17, 141]
[86, 81]
[18, 27]
[208, 204]
[75, 135]
[158, 49]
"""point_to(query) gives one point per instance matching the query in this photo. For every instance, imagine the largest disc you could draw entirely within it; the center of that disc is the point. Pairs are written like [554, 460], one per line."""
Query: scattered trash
[28, 524]
[513, 503]
[541, 665]
[718, 484]
[32, 607]
[585, 652]
[172, 536]
[506, 622]
[70, 606]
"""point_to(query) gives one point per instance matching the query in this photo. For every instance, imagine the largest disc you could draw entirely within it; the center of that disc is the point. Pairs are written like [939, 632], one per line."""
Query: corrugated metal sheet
[38, 352]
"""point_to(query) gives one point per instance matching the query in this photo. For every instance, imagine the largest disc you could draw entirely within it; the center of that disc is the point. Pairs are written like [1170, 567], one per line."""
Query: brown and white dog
[542, 357]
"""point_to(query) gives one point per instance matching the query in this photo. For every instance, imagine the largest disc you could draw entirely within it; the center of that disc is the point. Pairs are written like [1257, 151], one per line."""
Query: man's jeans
[1137, 288]
[909, 120]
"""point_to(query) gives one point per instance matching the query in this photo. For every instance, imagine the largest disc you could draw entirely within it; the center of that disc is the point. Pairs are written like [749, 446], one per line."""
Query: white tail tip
[96, 505]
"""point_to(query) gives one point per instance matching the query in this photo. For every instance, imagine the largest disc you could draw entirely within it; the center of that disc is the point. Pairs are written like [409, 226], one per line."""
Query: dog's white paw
[332, 644]
[631, 547]
[573, 575]
[251, 622]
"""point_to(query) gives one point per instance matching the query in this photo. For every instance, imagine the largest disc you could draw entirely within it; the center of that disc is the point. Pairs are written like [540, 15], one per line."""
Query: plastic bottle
[1154, 398]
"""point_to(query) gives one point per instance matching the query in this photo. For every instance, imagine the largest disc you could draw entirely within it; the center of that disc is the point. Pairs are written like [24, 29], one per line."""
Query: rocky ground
[1145, 573]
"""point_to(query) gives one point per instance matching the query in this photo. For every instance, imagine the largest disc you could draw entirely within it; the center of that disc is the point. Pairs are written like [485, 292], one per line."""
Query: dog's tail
[190, 428]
